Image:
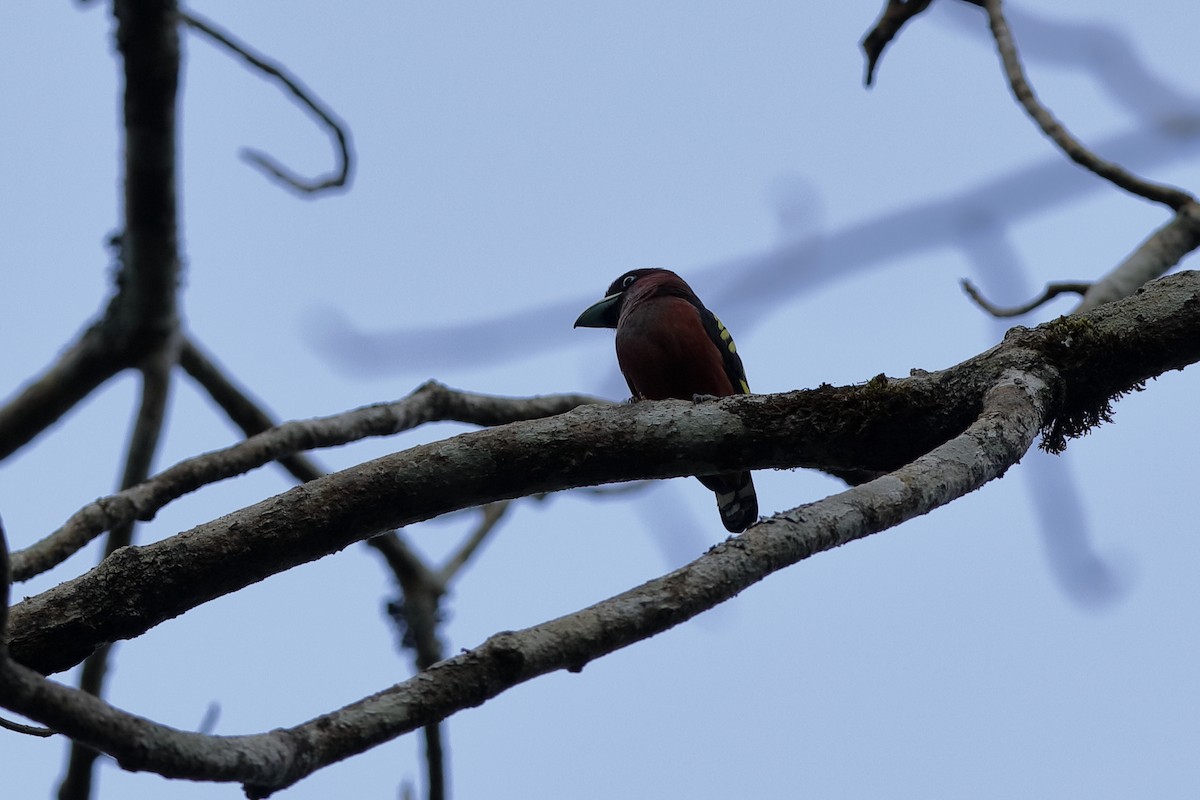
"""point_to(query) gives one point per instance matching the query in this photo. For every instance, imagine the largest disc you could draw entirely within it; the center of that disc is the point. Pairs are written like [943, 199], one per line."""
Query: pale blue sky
[512, 160]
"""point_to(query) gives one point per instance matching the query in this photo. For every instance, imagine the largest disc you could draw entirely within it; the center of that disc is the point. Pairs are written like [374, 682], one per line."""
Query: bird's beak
[603, 314]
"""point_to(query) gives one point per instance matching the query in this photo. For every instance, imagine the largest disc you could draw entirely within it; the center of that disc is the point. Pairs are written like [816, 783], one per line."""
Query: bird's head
[636, 283]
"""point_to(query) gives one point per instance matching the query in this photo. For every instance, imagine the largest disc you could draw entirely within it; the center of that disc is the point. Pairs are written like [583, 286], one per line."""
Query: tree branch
[880, 425]
[5, 591]
[431, 402]
[417, 614]
[77, 780]
[1161, 251]
[90, 361]
[143, 314]
[893, 17]
[420, 611]
[239, 406]
[149, 43]
[1072, 147]
[1012, 412]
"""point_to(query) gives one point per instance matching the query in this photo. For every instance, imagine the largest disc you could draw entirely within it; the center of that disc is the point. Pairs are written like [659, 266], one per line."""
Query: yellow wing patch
[727, 338]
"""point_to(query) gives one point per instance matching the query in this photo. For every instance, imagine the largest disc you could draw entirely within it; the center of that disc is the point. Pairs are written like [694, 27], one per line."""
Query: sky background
[1035, 639]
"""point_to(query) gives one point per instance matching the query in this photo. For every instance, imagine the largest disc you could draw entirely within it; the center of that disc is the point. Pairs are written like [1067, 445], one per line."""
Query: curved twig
[1072, 147]
[1051, 291]
[28, 730]
[336, 128]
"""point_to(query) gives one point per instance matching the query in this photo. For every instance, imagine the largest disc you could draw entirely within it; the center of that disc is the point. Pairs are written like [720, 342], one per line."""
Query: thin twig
[492, 514]
[1072, 147]
[244, 411]
[1160, 252]
[435, 760]
[1051, 291]
[335, 127]
[28, 730]
[418, 614]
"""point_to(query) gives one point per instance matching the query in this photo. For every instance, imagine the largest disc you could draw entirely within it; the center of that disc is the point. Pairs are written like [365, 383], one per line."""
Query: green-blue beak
[603, 314]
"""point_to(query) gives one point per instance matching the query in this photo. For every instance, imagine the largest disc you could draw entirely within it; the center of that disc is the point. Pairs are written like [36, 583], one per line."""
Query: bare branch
[429, 403]
[1072, 147]
[149, 279]
[492, 513]
[417, 613]
[1051, 291]
[335, 127]
[77, 780]
[435, 759]
[409, 569]
[5, 590]
[86, 364]
[245, 412]
[1009, 421]
[143, 314]
[877, 425]
[144, 439]
[1161, 251]
[1012, 412]
[891, 20]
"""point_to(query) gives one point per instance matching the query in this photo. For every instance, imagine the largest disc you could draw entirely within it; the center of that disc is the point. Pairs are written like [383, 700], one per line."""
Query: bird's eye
[628, 281]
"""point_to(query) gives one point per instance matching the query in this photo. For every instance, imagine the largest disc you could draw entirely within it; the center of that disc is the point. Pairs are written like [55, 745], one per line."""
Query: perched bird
[670, 345]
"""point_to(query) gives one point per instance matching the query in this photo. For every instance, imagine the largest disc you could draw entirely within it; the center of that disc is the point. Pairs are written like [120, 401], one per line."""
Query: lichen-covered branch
[882, 425]
[1013, 410]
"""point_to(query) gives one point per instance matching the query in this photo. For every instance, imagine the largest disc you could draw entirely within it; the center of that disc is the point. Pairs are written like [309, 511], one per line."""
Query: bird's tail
[735, 499]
